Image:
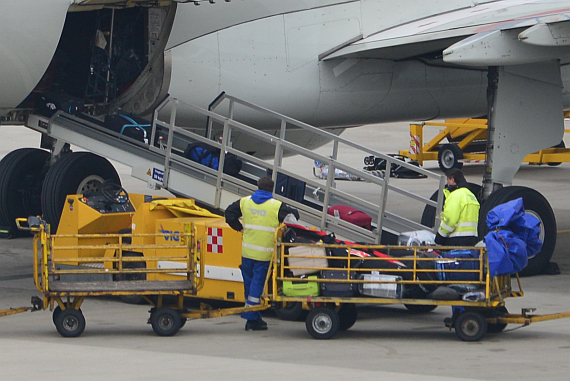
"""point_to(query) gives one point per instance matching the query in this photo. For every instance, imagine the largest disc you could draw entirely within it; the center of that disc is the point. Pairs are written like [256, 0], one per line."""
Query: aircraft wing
[502, 32]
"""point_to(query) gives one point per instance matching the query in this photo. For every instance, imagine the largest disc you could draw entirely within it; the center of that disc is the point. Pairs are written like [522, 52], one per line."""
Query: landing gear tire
[322, 323]
[74, 173]
[428, 215]
[165, 322]
[291, 311]
[536, 205]
[70, 322]
[420, 308]
[470, 326]
[348, 316]
[449, 156]
[22, 172]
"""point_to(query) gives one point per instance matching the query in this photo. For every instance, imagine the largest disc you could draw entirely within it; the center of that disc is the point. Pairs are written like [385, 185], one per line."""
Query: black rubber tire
[559, 145]
[536, 205]
[449, 156]
[56, 311]
[22, 172]
[496, 327]
[322, 323]
[348, 316]
[470, 326]
[74, 173]
[420, 308]
[70, 323]
[428, 215]
[165, 322]
[291, 311]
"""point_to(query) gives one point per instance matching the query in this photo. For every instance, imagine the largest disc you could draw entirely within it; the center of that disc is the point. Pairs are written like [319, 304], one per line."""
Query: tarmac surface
[387, 342]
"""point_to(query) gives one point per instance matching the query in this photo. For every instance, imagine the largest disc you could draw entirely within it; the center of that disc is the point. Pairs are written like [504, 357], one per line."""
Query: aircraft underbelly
[27, 48]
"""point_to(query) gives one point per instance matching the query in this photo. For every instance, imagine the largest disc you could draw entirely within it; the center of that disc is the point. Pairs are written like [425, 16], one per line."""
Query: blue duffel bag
[451, 263]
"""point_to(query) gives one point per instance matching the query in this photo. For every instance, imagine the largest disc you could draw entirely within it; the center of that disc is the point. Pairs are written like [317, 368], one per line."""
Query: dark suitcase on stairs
[352, 215]
[338, 289]
[289, 187]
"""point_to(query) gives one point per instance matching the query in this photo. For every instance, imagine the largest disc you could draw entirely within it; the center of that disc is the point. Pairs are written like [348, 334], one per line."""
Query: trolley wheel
[347, 315]
[322, 323]
[56, 311]
[470, 326]
[497, 327]
[449, 156]
[165, 321]
[420, 308]
[70, 322]
[292, 311]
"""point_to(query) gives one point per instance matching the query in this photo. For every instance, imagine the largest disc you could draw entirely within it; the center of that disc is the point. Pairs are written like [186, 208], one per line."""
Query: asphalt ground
[387, 342]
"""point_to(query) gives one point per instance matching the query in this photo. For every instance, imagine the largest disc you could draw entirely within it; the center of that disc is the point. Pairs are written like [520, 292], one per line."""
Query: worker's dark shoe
[256, 325]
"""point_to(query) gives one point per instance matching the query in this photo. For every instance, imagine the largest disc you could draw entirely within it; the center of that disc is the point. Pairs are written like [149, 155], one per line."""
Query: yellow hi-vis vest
[460, 214]
[259, 224]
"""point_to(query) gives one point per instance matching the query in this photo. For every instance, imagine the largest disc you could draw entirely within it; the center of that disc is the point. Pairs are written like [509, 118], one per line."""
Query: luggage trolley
[66, 281]
[298, 277]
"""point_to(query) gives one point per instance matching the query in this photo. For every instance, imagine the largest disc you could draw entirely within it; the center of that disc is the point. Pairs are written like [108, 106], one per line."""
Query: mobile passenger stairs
[162, 163]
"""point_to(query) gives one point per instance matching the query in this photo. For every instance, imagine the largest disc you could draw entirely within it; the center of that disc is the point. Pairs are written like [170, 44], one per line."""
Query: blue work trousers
[254, 274]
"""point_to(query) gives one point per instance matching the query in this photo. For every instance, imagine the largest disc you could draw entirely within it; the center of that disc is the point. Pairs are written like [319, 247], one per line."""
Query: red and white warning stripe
[474, 161]
[414, 144]
[215, 240]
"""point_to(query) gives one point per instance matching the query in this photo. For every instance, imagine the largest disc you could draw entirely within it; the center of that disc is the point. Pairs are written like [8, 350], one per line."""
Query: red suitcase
[349, 214]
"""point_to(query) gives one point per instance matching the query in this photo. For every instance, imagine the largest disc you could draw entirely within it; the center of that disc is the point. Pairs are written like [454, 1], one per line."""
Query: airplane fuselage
[269, 53]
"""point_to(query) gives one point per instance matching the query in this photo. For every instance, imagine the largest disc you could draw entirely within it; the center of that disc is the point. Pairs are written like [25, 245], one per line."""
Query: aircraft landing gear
[535, 204]
[74, 173]
[22, 172]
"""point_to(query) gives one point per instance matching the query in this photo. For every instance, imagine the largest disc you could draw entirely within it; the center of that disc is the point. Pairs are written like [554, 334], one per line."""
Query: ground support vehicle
[137, 223]
[466, 141]
[483, 310]
[113, 275]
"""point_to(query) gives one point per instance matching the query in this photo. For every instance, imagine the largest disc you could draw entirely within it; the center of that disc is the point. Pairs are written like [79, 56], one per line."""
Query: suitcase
[49, 103]
[338, 289]
[297, 258]
[449, 263]
[352, 215]
[292, 288]
[381, 290]
[129, 125]
[289, 187]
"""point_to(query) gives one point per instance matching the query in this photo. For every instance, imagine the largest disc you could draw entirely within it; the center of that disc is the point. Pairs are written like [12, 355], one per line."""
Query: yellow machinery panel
[91, 228]
[217, 245]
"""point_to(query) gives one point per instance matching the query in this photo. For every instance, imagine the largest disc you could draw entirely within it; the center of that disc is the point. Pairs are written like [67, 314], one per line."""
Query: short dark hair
[265, 184]
[456, 175]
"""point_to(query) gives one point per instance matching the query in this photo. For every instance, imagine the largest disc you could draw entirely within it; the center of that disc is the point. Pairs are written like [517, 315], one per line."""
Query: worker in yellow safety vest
[460, 214]
[261, 215]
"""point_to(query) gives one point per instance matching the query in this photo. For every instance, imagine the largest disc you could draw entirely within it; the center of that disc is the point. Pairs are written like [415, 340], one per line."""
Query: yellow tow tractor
[135, 247]
[464, 141]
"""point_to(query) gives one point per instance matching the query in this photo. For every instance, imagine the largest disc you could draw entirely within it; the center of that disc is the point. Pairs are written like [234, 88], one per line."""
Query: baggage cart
[482, 308]
[66, 281]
